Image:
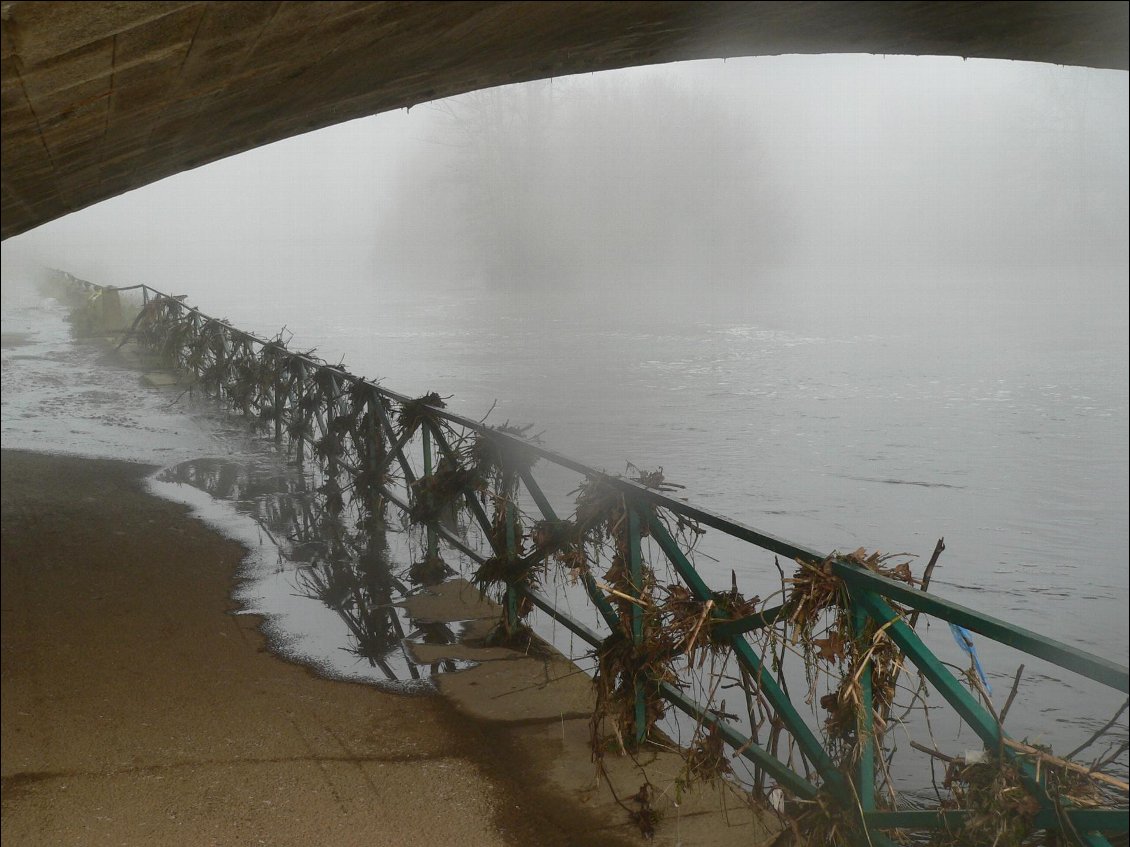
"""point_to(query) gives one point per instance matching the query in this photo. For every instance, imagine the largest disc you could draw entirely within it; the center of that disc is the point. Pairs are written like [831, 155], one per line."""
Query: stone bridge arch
[103, 97]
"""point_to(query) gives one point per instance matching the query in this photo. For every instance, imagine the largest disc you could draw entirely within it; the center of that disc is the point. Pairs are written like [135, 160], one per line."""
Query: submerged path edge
[138, 708]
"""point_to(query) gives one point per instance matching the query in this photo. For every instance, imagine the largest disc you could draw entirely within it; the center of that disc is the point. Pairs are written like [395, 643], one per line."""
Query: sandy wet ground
[137, 709]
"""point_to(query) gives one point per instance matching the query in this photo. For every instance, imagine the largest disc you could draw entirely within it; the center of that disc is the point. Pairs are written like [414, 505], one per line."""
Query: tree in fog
[580, 183]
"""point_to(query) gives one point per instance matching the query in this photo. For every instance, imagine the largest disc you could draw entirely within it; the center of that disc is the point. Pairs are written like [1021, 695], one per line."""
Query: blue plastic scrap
[964, 639]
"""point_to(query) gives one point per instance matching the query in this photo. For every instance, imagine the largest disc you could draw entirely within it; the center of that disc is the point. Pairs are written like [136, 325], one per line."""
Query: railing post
[865, 719]
[377, 500]
[300, 392]
[221, 362]
[598, 599]
[512, 553]
[278, 399]
[324, 415]
[433, 542]
[635, 575]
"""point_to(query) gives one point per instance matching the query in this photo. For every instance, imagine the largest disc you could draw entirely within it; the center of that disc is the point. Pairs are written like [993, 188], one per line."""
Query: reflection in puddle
[327, 584]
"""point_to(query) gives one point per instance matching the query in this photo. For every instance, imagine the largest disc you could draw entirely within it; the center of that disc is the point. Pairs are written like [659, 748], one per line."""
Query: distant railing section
[851, 617]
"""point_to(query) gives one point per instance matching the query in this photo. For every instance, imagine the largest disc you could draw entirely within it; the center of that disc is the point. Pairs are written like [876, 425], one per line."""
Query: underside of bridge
[103, 97]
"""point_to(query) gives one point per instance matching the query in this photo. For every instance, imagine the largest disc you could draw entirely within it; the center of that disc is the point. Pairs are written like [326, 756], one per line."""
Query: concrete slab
[428, 654]
[454, 600]
[705, 815]
[165, 379]
[543, 705]
[520, 689]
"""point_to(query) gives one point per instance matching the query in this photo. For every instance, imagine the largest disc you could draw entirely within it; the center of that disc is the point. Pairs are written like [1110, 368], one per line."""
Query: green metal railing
[352, 426]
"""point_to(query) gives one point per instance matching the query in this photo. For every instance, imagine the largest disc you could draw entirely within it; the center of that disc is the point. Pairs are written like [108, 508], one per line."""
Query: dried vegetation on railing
[663, 630]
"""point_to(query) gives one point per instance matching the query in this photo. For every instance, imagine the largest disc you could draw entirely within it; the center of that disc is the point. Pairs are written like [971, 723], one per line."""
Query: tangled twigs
[815, 588]
[432, 494]
[554, 536]
[645, 817]
[431, 570]
[415, 413]
[1074, 767]
[706, 758]
[654, 479]
[497, 457]
[626, 669]
[693, 621]
[599, 510]
[1000, 810]
[1012, 697]
[841, 650]
[820, 821]
[1100, 732]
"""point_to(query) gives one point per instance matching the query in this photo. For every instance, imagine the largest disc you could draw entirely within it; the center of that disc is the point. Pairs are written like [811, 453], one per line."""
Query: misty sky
[818, 182]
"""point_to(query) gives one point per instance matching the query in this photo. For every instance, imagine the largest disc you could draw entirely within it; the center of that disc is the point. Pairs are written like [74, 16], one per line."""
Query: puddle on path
[329, 591]
[335, 593]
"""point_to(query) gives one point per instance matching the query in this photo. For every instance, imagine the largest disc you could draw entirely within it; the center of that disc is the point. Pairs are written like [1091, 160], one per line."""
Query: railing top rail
[855, 596]
[1094, 667]
[629, 487]
[1033, 643]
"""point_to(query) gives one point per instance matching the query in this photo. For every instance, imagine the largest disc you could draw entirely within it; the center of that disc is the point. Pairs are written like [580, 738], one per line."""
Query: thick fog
[790, 189]
[853, 300]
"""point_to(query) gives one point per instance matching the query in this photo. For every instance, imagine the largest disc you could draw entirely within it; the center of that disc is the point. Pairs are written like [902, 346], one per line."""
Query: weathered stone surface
[103, 97]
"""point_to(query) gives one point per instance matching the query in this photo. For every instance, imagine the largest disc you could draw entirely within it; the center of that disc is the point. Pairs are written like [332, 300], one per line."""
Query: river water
[1014, 448]
[1000, 424]
[836, 434]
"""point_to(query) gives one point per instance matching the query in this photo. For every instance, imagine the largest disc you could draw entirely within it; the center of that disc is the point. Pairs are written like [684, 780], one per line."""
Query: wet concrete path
[137, 709]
